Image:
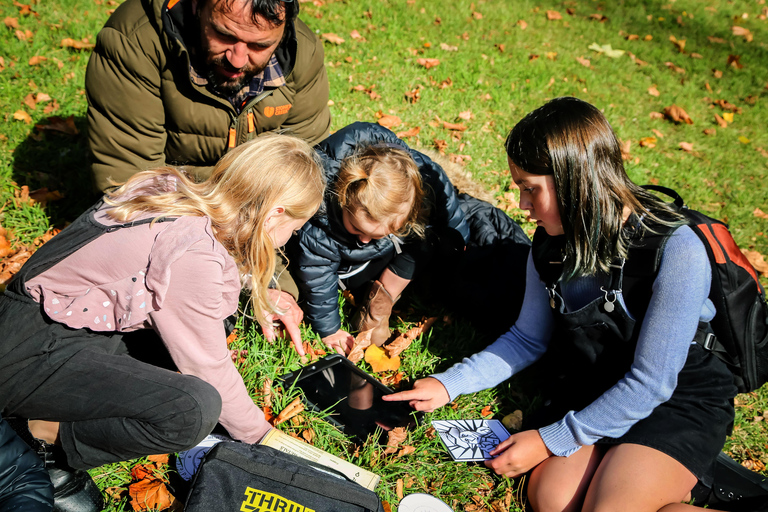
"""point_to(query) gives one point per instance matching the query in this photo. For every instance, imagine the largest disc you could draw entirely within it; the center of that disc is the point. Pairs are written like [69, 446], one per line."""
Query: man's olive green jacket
[144, 110]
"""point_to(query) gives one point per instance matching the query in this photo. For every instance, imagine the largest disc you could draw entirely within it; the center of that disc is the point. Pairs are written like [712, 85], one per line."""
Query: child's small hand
[288, 321]
[427, 395]
[518, 454]
[340, 341]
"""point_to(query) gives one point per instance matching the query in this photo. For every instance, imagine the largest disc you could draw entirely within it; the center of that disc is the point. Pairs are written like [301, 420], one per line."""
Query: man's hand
[340, 341]
[518, 454]
[290, 320]
[427, 395]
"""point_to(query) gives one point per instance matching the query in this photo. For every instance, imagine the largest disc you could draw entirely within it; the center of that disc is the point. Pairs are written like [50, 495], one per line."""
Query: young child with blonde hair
[391, 214]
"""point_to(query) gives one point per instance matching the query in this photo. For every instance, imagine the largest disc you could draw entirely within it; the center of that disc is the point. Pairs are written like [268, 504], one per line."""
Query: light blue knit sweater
[678, 303]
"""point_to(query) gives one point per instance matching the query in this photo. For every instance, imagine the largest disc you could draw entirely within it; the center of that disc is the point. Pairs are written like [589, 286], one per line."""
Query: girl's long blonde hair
[250, 180]
[380, 180]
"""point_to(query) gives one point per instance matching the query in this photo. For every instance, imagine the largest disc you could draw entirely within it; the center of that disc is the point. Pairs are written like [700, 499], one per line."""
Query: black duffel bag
[256, 478]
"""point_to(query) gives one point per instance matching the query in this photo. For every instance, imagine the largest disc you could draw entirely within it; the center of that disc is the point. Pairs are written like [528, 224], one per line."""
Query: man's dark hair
[276, 12]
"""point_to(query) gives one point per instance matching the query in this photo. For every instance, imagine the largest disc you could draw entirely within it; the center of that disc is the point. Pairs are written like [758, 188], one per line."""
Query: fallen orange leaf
[454, 126]
[150, 494]
[21, 115]
[77, 45]
[554, 15]
[486, 412]
[413, 132]
[686, 146]
[653, 91]
[428, 63]
[677, 114]
[292, 409]
[648, 142]
[760, 214]
[757, 260]
[377, 358]
[333, 38]
[389, 121]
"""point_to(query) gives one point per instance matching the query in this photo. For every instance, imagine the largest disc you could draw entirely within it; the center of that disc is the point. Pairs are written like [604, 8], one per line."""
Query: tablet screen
[352, 398]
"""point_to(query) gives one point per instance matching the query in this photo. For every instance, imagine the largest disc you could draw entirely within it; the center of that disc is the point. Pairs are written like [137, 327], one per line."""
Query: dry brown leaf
[599, 17]
[653, 91]
[554, 15]
[11, 23]
[466, 115]
[486, 412]
[718, 40]
[428, 63]
[399, 489]
[77, 45]
[677, 114]
[292, 409]
[332, 38]
[21, 115]
[36, 60]
[413, 132]
[388, 121]
[657, 133]
[710, 131]
[394, 438]
[356, 35]
[5, 247]
[377, 358]
[675, 68]
[679, 43]
[686, 146]
[477, 15]
[633, 37]
[29, 100]
[57, 124]
[722, 123]
[734, 61]
[405, 450]
[362, 341]
[513, 421]
[308, 435]
[725, 105]
[440, 145]
[742, 32]
[159, 458]
[760, 214]
[454, 126]
[757, 260]
[584, 62]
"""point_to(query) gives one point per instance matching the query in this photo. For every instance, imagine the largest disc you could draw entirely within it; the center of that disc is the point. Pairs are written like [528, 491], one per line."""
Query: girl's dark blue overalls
[593, 348]
[110, 406]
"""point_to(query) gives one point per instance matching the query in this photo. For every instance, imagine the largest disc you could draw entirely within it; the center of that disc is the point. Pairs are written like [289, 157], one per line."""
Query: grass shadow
[55, 155]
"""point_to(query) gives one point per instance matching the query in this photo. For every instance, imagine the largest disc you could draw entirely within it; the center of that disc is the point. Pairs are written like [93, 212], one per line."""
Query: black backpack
[740, 325]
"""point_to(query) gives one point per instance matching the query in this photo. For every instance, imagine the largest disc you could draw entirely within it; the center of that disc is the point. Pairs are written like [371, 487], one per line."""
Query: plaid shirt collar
[271, 76]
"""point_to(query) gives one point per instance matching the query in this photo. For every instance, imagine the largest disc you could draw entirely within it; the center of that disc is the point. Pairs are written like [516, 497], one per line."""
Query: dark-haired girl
[639, 411]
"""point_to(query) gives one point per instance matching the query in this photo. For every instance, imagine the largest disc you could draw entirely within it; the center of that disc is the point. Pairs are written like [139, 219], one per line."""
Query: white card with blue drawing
[470, 440]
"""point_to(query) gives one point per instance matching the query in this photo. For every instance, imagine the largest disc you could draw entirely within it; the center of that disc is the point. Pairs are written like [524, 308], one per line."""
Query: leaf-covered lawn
[684, 84]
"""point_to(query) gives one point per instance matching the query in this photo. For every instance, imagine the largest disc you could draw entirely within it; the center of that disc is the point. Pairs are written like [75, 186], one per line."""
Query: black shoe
[73, 489]
[736, 488]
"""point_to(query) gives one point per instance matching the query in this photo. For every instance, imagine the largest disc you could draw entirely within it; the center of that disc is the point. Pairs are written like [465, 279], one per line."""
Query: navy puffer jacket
[323, 249]
[24, 482]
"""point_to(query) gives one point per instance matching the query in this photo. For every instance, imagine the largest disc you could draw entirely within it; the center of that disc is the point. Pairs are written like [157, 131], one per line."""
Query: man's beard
[228, 87]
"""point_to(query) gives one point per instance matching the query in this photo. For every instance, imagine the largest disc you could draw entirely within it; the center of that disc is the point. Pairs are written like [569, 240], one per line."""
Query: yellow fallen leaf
[20, 115]
[728, 116]
[648, 142]
[743, 139]
[377, 358]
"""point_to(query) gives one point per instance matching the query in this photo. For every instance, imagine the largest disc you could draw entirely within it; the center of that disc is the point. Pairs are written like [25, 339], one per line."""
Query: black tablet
[351, 397]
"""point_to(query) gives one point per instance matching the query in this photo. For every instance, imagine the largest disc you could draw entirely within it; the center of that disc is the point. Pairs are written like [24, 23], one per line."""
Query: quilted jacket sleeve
[314, 265]
[24, 481]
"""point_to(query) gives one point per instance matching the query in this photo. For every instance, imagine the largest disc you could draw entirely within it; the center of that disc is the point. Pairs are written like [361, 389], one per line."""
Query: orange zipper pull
[232, 137]
[251, 125]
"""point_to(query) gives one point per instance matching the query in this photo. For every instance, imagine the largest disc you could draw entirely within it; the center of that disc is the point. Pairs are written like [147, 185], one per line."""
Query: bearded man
[182, 81]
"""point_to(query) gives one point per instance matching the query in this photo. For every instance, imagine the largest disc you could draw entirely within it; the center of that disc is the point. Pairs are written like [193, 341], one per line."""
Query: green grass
[498, 71]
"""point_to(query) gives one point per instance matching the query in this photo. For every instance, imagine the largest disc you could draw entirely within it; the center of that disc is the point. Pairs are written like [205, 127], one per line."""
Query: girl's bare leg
[559, 484]
[637, 478]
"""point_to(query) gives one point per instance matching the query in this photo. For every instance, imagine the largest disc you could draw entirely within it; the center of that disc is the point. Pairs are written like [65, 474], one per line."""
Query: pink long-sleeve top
[174, 277]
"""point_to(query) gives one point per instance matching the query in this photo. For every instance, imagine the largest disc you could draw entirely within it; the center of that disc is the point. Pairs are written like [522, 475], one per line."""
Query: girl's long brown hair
[572, 140]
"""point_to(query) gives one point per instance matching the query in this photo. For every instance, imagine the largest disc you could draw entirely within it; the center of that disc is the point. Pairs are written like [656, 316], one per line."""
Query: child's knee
[198, 411]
